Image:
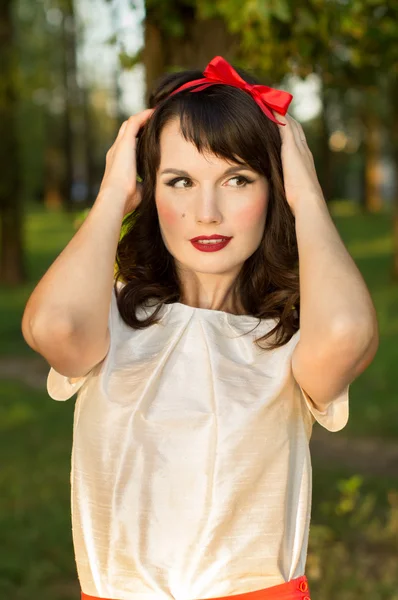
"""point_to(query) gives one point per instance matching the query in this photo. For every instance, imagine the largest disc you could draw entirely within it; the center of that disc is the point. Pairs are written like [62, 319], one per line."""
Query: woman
[200, 374]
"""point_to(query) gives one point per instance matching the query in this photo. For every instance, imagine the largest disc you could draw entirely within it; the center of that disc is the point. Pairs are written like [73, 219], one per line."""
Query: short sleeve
[60, 387]
[335, 417]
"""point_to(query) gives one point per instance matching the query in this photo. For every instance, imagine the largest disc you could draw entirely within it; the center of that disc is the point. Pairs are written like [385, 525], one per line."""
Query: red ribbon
[220, 71]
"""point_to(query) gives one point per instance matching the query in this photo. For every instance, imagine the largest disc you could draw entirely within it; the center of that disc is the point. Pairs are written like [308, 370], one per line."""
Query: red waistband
[296, 589]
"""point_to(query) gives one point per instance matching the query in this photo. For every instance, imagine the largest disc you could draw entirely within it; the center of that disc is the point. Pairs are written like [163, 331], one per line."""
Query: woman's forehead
[174, 147]
[171, 132]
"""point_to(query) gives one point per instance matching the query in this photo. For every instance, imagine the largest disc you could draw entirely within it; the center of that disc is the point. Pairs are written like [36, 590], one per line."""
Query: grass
[36, 544]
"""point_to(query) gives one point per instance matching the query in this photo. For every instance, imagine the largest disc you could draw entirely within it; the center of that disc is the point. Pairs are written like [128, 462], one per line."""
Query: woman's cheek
[167, 214]
[251, 216]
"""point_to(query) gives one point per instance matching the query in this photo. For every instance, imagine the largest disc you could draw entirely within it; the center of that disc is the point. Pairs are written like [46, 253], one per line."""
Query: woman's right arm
[66, 317]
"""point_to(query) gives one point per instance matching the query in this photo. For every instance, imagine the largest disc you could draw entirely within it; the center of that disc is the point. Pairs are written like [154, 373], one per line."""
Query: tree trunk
[54, 167]
[72, 99]
[394, 132]
[12, 267]
[117, 25]
[154, 55]
[373, 175]
[394, 271]
[202, 40]
[89, 141]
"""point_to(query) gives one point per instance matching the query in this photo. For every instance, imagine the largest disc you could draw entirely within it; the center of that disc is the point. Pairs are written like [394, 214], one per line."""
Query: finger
[280, 118]
[136, 196]
[109, 154]
[302, 133]
[120, 133]
[299, 131]
[136, 121]
[293, 125]
[122, 128]
[286, 131]
[299, 135]
[302, 141]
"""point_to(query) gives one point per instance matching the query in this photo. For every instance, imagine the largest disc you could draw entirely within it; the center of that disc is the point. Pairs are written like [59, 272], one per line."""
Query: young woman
[201, 365]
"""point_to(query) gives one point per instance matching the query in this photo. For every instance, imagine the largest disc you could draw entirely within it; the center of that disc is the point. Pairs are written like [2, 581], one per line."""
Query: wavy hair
[226, 122]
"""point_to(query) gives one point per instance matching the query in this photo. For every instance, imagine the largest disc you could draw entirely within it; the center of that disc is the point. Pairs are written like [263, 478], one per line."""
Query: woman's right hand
[120, 177]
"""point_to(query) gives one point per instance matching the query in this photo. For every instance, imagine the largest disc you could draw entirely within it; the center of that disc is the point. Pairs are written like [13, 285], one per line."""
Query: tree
[370, 32]
[12, 268]
[272, 39]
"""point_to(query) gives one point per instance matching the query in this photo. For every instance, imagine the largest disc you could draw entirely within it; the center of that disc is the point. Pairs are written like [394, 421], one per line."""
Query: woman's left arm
[338, 321]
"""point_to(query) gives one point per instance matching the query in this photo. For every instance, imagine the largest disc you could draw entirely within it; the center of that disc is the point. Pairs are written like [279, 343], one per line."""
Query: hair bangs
[214, 121]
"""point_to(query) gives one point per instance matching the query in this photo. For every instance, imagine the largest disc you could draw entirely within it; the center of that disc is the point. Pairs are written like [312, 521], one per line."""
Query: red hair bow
[220, 71]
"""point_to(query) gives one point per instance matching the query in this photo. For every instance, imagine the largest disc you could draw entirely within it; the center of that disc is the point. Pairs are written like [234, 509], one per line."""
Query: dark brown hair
[228, 123]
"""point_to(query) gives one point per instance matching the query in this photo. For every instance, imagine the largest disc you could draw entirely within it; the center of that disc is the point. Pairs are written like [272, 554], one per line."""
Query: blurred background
[71, 72]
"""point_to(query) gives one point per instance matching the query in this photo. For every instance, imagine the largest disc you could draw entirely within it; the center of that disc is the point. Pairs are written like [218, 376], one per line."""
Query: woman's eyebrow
[186, 174]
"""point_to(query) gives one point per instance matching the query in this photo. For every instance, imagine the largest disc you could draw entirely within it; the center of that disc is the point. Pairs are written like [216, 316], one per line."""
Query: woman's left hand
[300, 178]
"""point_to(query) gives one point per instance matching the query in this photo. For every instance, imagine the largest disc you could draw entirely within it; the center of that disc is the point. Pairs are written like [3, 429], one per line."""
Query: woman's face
[205, 200]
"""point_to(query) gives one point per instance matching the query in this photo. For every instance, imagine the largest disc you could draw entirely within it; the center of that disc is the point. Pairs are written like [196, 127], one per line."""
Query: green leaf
[112, 41]
[128, 61]
[306, 21]
[281, 10]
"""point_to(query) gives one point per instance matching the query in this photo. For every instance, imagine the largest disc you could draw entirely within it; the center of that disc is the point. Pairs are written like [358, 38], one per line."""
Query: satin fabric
[191, 471]
[219, 71]
[297, 589]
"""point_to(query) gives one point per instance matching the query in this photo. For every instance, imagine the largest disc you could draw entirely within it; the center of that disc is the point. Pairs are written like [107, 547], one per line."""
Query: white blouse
[191, 471]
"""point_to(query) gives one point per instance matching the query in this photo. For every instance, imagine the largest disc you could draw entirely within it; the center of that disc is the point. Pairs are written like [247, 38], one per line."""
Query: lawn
[36, 546]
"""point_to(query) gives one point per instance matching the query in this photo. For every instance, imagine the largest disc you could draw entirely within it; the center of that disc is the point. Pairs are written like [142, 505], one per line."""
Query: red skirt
[296, 589]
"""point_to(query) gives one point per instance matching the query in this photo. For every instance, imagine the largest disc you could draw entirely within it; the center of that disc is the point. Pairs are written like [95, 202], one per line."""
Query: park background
[71, 72]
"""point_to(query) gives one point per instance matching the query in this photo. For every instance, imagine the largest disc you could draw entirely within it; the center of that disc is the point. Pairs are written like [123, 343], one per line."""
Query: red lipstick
[210, 246]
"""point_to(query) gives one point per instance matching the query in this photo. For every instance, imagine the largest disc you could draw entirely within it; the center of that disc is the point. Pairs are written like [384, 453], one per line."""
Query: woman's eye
[246, 181]
[178, 179]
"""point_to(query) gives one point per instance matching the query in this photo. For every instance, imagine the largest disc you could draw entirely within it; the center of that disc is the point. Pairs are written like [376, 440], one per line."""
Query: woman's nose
[208, 206]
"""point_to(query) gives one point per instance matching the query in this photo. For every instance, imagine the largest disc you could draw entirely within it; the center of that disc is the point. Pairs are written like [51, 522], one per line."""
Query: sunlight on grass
[36, 435]
[18, 414]
[369, 248]
[343, 208]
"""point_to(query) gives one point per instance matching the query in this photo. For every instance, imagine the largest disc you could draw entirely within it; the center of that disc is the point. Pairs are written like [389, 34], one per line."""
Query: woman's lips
[212, 246]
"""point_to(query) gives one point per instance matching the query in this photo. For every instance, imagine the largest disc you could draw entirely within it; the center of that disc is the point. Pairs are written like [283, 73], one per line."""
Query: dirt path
[367, 456]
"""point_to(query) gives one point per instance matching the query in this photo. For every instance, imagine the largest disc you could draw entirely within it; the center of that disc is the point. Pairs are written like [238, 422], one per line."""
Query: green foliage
[304, 36]
[36, 543]
[170, 15]
[128, 61]
[353, 546]
[349, 490]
